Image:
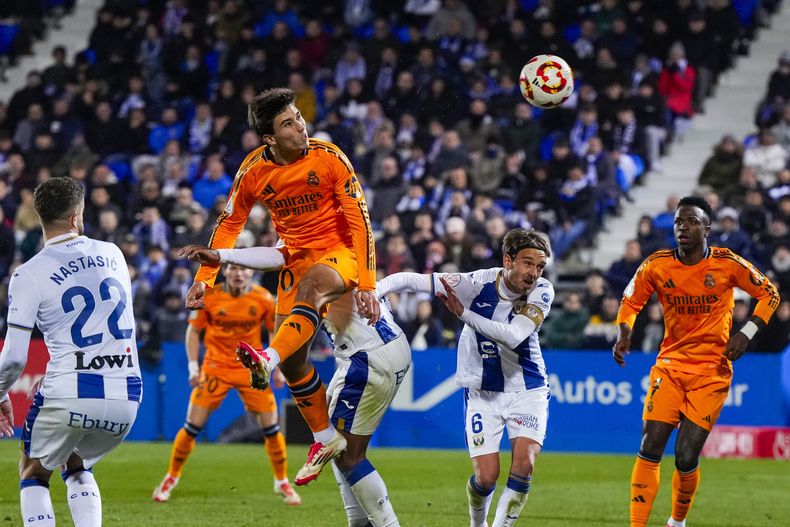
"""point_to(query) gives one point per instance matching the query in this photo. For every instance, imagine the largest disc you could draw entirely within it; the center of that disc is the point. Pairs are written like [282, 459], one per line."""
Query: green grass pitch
[232, 485]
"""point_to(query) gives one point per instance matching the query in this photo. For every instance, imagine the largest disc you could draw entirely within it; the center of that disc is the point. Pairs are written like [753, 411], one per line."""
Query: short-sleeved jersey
[351, 332]
[227, 319]
[78, 292]
[316, 202]
[485, 364]
[697, 301]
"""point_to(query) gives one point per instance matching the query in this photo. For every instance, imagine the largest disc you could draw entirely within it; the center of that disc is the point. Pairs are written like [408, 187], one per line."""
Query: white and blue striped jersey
[78, 292]
[484, 363]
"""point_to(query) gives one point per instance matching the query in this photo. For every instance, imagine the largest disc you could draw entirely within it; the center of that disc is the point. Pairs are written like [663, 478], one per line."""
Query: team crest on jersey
[710, 283]
[478, 440]
[312, 179]
[453, 279]
[253, 312]
[222, 312]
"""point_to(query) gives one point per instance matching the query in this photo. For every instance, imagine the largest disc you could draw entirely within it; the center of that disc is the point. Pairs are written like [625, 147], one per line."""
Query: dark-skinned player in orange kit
[691, 378]
[319, 212]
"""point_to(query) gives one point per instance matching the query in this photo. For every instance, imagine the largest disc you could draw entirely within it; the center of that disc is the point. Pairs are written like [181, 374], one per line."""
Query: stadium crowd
[423, 96]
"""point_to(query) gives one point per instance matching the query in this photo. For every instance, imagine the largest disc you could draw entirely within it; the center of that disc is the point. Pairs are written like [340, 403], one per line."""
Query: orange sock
[274, 441]
[296, 330]
[182, 447]
[684, 487]
[644, 486]
[310, 396]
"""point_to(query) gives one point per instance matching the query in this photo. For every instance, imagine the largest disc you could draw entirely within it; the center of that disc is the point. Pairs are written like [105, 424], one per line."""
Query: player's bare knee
[308, 291]
[522, 467]
[685, 460]
[33, 469]
[348, 459]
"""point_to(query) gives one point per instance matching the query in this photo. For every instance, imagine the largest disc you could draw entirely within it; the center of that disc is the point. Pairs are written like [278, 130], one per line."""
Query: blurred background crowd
[423, 96]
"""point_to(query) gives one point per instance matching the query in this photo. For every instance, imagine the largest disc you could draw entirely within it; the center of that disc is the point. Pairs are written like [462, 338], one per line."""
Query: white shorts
[364, 385]
[90, 428]
[525, 414]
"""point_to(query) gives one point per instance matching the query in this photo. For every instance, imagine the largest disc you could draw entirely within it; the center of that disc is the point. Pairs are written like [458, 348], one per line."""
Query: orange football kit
[692, 376]
[319, 212]
[226, 320]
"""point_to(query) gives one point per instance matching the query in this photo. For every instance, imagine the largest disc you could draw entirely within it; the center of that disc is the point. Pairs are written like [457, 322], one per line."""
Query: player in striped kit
[78, 292]
[371, 362]
[500, 364]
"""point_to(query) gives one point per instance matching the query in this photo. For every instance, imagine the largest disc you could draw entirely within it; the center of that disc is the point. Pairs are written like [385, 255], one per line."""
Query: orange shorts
[675, 393]
[215, 383]
[298, 261]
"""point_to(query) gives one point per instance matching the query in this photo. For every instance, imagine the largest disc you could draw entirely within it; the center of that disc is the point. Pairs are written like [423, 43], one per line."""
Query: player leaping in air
[693, 371]
[320, 214]
[371, 363]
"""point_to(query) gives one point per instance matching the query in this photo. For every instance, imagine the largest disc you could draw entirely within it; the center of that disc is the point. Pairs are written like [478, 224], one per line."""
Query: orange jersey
[228, 319]
[697, 301]
[315, 202]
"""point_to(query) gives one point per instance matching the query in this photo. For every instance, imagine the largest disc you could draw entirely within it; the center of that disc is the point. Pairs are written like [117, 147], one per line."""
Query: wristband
[749, 329]
[194, 368]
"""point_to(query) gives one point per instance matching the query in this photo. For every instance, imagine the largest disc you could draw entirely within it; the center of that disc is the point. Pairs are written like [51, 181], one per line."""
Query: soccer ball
[546, 81]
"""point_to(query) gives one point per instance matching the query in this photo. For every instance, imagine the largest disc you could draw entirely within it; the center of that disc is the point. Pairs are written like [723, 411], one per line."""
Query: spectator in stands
[523, 133]
[425, 331]
[28, 127]
[780, 265]
[722, 169]
[746, 182]
[676, 84]
[169, 128]
[152, 230]
[576, 213]
[703, 55]
[595, 290]
[650, 112]
[628, 137]
[109, 227]
[443, 18]
[622, 270]
[753, 218]
[779, 83]
[458, 244]
[730, 235]
[477, 129]
[767, 157]
[650, 239]
[565, 330]
[584, 129]
[214, 182]
[601, 330]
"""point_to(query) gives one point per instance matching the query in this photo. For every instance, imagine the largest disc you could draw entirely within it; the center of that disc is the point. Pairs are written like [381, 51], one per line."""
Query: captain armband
[749, 329]
[532, 312]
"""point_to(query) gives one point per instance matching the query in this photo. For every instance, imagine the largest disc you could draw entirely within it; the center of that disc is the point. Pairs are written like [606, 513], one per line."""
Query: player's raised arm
[751, 280]
[635, 296]
[526, 320]
[231, 221]
[405, 282]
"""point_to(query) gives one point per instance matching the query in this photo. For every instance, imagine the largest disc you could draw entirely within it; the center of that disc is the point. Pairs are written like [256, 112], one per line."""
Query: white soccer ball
[546, 81]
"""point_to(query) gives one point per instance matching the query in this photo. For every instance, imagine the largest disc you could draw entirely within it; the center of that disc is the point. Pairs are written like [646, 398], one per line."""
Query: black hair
[696, 201]
[56, 198]
[516, 240]
[266, 106]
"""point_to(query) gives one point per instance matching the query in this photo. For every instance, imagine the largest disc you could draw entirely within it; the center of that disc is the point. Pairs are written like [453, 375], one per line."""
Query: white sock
[357, 517]
[371, 493]
[274, 357]
[512, 501]
[672, 522]
[479, 500]
[325, 436]
[35, 503]
[84, 499]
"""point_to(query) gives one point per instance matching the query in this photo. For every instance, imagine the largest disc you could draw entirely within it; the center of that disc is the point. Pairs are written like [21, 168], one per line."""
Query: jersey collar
[67, 237]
